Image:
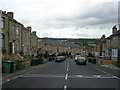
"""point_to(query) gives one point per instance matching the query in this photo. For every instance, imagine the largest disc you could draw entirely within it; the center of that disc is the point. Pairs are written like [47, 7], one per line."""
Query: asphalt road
[67, 75]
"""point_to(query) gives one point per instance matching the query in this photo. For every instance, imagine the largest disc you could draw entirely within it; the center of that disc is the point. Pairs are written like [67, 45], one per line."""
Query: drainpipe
[13, 47]
[100, 49]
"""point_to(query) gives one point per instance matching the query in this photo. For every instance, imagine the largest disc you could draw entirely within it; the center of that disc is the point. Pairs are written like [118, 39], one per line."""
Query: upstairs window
[3, 22]
[13, 29]
[17, 30]
[114, 52]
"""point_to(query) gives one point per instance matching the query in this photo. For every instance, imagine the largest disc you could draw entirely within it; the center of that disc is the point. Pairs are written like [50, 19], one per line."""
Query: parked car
[63, 57]
[76, 57]
[81, 60]
[60, 59]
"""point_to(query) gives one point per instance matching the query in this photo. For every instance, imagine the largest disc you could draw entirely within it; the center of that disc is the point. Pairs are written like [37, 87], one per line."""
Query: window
[3, 22]
[114, 52]
[2, 42]
[17, 45]
[13, 28]
[17, 30]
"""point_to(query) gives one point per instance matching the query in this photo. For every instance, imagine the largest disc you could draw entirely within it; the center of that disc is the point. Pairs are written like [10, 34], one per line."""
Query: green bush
[62, 54]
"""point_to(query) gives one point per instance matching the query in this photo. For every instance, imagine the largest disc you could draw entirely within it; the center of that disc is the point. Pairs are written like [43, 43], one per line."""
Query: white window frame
[114, 52]
[2, 22]
[17, 30]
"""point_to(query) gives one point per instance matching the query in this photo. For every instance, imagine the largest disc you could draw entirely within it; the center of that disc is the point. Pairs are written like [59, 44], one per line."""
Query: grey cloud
[97, 15]
[103, 13]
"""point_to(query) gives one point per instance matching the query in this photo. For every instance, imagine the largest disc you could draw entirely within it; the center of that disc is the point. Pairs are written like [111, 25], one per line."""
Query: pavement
[17, 73]
[65, 76]
[111, 66]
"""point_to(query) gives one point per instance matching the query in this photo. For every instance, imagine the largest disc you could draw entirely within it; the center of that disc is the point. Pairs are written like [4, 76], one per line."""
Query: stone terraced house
[17, 39]
[110, 46]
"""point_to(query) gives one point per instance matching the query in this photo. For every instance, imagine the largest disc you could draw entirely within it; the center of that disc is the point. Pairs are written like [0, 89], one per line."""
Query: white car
[76, 57]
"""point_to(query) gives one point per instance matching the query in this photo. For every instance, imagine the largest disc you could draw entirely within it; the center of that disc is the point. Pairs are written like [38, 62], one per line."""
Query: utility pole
[0, 49]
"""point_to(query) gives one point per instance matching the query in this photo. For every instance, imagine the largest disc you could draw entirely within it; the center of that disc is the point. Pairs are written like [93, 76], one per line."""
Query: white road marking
[67, 69]
[11, 79]
[79, 75]
[98, 76]
[66, 76]
[65, 87]
[95, 76]
[5, 81]
[68, 64]
[20, 75]
[8, 80]
[108, 73]
[15, 77]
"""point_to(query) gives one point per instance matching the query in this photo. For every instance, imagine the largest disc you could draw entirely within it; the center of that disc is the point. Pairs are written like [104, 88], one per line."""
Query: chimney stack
[5, 12]
[114, 29]
[10, 14]
[34, 33]
[29, 28]
[102, 38]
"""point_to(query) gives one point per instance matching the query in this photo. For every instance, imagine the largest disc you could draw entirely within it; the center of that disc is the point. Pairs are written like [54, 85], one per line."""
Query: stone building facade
[17, 39]
[26, 41]
[34, 44]
[57, 46]
[110, 46]
[5, 32]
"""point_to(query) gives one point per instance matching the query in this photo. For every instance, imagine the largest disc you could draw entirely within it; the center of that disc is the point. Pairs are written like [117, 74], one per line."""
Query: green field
[80, 41]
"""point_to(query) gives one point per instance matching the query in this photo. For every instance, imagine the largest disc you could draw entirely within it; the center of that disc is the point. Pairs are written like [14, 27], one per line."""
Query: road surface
[67, 76]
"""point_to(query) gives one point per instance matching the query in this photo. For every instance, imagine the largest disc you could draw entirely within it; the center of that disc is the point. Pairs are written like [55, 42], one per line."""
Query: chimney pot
[29, 28]
[114, 29]
[10, 14]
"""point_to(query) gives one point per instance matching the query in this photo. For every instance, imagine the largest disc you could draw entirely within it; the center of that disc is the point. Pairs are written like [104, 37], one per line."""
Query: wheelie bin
[20, 64]
[7, 66]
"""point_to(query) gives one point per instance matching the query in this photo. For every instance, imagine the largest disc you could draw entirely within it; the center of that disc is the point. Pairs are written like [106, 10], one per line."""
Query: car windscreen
[77, 56]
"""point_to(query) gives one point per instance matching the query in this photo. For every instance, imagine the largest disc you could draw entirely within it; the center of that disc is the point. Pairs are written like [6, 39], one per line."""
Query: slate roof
[114, 34]
[62, 43]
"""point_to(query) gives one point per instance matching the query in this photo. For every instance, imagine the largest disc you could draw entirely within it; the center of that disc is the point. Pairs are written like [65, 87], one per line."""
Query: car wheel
[76, 63]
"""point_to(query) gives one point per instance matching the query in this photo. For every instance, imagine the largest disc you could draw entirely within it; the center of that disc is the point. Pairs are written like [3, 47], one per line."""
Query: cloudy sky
[65, 18]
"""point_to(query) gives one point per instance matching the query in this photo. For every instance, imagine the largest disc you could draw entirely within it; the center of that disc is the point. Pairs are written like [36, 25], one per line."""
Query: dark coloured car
[60, 59]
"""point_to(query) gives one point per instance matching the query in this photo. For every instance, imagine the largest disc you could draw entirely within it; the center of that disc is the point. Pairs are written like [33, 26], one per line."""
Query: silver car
[76, 57]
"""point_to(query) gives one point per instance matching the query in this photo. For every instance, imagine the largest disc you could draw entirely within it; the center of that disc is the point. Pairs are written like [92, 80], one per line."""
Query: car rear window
[82, 58]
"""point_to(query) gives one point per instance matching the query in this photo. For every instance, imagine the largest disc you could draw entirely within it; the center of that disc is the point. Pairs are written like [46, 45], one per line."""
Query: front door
[118, 59]
[10, 44]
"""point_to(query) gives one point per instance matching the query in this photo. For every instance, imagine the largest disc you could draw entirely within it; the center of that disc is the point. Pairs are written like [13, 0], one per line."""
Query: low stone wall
[46, 60]
[104, 61]
[98, 62]
[27, 63]
[114, 61]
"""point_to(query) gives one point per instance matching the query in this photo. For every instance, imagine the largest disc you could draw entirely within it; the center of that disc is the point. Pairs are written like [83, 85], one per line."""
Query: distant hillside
[80, 41]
